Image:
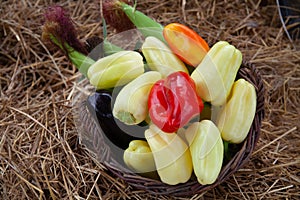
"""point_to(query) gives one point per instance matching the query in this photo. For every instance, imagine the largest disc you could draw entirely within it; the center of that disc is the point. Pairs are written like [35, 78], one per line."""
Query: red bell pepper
[173, 102]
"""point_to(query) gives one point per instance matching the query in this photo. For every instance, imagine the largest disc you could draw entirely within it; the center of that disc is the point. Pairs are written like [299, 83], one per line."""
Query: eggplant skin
[117, 133]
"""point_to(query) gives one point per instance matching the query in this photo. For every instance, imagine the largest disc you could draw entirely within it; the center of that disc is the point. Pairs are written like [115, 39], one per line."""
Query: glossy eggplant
[116, 132]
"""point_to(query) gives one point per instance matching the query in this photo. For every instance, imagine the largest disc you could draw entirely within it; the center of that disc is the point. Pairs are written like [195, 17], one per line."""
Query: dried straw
[40, 157]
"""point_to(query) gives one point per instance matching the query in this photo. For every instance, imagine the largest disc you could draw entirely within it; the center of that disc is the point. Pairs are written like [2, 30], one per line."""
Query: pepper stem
[110, 48]
[126, 117]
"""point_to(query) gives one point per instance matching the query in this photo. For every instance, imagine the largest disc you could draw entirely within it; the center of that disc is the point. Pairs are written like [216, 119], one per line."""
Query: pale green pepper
[207, 150]
[216, 73]
[115, 70]
[160, 58]
[171, 154]
[138, 156]
[235, 119]
[131, 105]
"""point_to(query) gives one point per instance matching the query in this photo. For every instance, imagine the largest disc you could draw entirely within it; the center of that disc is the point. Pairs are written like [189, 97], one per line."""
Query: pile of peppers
[160, 103]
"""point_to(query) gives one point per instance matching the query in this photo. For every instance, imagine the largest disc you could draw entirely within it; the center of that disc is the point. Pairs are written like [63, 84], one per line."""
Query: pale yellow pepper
[216, 73]
[160, 57]
[115, 70]
[235, 119]
[171, 154]
[138, 156]
[131, 105]
[207, 150]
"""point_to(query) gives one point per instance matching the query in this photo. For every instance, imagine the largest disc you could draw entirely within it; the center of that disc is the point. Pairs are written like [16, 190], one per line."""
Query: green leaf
[104, 28]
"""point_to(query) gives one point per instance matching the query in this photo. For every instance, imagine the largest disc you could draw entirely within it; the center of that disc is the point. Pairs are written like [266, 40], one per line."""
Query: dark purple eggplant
[115, 131]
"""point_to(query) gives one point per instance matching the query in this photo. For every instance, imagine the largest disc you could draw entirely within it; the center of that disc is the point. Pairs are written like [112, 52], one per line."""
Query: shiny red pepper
[173, 102]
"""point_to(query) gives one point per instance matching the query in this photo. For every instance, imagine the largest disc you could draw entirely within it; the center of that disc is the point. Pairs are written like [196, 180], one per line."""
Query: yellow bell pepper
[235, 119]
[171, 154]
[138, 156]
[160, 58]
[216, 73]
[131, 106]
[116, 69]
[207, 150]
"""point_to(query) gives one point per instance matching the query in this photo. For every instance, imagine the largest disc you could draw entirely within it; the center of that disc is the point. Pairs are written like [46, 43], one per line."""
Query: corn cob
[172, 156]
[160, 58]
[206, 149]
[215, 75]
[116, 69]
[131, 103]
[235, 120]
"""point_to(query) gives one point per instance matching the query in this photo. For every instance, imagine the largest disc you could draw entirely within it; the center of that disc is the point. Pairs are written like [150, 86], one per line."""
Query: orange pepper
[185, 43]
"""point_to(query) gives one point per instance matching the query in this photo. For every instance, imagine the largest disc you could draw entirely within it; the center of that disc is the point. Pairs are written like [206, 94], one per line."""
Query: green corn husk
[81, 61]
[110, 48]
[146, 25]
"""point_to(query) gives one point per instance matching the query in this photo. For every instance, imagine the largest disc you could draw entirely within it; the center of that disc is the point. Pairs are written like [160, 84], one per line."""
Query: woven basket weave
[91, 136]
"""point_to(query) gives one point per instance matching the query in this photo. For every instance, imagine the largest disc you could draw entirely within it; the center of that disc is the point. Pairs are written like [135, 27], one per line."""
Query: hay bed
[40, 157]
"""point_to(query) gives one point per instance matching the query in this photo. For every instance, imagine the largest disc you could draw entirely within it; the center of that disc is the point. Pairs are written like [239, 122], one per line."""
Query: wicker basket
[95, 141]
